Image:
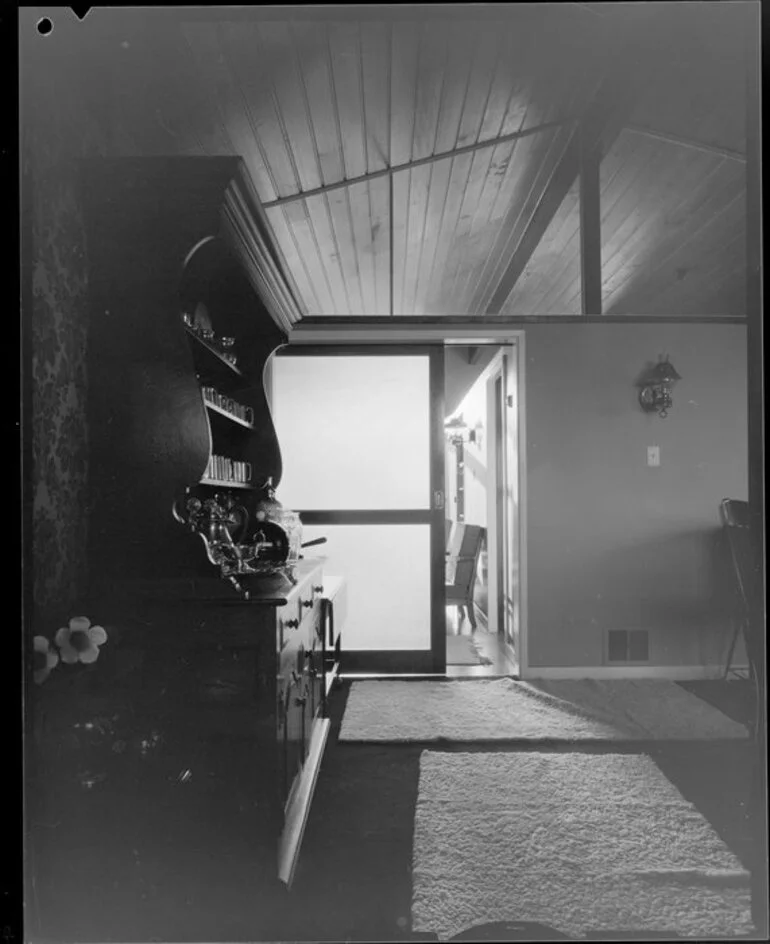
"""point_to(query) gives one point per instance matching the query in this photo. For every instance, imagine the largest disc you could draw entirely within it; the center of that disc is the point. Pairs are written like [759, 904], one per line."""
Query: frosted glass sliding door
[362, 450]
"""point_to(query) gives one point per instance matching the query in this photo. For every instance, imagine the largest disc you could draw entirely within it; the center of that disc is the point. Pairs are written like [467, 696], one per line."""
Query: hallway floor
[492, 646]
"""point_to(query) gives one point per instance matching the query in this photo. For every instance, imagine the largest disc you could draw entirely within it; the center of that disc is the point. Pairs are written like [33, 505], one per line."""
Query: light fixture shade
[663, 372]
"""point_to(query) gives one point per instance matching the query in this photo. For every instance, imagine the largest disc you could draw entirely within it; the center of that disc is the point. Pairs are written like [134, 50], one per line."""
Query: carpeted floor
[575, 841]
[354, 879]
[542, 711]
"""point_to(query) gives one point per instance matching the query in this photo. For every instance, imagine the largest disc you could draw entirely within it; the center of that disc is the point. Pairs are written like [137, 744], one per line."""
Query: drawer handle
[318, 589]
[307, 602]
[291, 624]
[300, 700]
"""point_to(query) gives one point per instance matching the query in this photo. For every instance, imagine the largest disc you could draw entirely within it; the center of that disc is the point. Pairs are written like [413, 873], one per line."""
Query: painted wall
[55, 132]
[65, 115]
[459, 375]
[611, 542]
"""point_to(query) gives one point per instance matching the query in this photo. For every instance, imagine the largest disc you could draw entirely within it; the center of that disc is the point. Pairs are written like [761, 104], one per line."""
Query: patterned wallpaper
[56, 131]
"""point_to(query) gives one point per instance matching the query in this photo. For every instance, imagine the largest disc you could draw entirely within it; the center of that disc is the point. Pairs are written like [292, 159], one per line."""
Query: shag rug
[463, 650]
[578, 842]
[566, 710]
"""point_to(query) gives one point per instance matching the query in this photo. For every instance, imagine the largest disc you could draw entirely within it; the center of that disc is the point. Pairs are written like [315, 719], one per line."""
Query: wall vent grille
[628, 645]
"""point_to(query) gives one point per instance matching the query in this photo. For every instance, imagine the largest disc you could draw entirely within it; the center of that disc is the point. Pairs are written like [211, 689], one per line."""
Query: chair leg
[460, 613]
[731, 650]
[471, 615]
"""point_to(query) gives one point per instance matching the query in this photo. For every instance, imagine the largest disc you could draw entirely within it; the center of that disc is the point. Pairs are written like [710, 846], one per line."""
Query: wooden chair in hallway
[735, 519]
[461, 568]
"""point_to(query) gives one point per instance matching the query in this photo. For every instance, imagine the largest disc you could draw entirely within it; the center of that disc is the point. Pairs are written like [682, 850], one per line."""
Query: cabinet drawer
[287, 622]
[304, 605]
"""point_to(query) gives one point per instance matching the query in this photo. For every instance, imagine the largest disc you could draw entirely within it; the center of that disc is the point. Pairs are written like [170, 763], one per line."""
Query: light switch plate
[653, 455]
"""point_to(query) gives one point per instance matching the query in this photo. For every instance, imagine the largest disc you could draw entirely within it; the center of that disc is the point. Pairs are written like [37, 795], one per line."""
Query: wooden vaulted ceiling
[451, 137]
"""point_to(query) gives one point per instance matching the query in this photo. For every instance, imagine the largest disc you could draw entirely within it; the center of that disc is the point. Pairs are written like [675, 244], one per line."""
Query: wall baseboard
[389, 661]
[675, 673]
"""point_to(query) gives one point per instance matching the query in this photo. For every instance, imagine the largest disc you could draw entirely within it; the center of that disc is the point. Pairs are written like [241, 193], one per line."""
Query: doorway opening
[482, 521]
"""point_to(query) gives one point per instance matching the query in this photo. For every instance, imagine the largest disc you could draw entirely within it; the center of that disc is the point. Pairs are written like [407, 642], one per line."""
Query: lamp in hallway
[457, 431]
[656, 385]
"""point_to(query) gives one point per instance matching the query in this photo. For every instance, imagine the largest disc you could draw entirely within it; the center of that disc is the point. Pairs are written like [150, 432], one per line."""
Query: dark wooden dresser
[168, 783]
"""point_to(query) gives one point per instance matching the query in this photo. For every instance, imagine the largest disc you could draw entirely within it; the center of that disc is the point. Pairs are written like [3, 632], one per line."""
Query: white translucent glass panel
[387, 568]
[354, 431]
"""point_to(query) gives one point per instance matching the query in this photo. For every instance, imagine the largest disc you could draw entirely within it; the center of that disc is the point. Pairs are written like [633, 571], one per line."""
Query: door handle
[438, 499]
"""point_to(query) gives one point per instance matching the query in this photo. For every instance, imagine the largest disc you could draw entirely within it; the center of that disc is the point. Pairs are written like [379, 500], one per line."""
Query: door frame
[394, 662]
[513, 339]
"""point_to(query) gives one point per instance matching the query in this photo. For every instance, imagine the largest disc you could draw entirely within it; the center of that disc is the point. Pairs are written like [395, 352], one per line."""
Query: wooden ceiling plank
[704, 296]
[486, 53]
[681, 250]
[665, 185]
[400, 213]
[461, 248]
[379, 209]
[719, 269]
[359, 207]
[287, 241]
[456, 79]
[430, 90]
[700, 199]
[551, 198]
[627, 172]
[459, 173]
[418, 208]
[344, 249]
[420, 162]
[437, 199]
[564, 248]
[375, 70]
[484, 229]
[299, 222]
[528, 160]
[663, 271]
[555, 264]
[403, 83]
[291, 107]
[320, 217]
[504, 110]
[347, 83]
[313, 66]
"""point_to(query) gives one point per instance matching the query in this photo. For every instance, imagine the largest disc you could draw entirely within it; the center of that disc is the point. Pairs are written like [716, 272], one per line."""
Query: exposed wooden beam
[599, 127]
[590, 225]
[686, 142]
[420, 162]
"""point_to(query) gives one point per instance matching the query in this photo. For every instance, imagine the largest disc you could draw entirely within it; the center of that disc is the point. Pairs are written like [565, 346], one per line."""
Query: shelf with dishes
[228, 408]
[216, 352]
[227, 473]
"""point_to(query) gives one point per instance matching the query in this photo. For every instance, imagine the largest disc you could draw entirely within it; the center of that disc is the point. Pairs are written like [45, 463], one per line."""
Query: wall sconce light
[457, 433]
[655, 387]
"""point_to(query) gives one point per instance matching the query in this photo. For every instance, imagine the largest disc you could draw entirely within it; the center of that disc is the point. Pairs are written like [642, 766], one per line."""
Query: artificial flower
[80, 641]
[45, 659]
